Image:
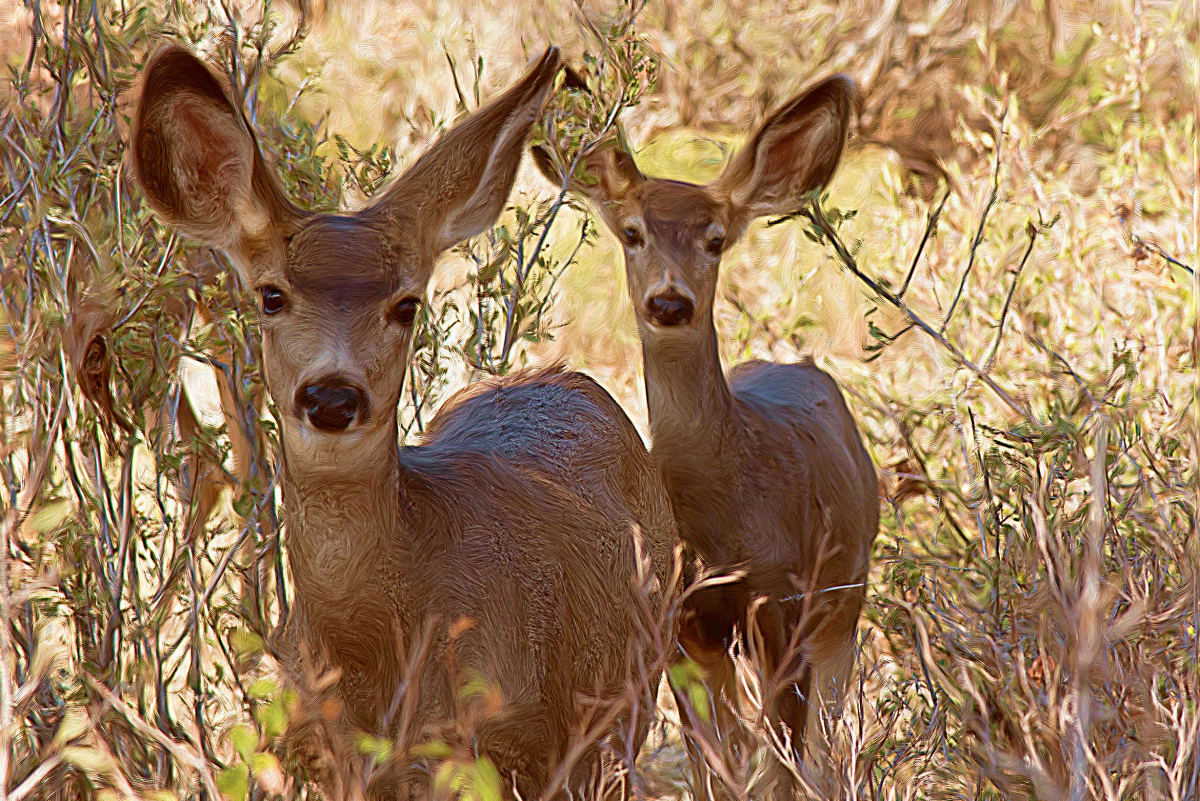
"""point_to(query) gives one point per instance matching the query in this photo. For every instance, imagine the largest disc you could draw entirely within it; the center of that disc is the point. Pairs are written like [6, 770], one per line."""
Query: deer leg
[788, 678]
[710, 726]
[830, 652]
[709, 731]
[626, 745]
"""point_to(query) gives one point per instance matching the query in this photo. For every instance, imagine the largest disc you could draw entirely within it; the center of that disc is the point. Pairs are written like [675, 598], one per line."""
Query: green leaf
[50, 516]
[245, 740]
[89, 760]
[245, 642]
[378, 748]
[234, 782]
[272, 718]
[698, 695]
[434, 749]
[486, 780]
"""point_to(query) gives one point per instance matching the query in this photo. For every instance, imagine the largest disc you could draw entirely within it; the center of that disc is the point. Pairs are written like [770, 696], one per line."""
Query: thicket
[1012, 312]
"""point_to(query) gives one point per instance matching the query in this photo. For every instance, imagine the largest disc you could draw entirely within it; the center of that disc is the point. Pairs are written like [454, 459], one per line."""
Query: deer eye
[273, 300]
[404, 311]
[631, 236]
[715, 242]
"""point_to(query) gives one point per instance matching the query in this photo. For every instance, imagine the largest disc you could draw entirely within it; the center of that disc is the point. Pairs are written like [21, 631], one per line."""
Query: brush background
[1031, 623]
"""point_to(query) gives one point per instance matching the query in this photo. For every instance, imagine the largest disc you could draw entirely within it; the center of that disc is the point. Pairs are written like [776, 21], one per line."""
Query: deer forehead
[351, 261]
[674, 210]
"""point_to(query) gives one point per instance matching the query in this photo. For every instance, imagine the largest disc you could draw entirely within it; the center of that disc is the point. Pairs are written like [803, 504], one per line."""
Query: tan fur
[765, 467]
[513, 528]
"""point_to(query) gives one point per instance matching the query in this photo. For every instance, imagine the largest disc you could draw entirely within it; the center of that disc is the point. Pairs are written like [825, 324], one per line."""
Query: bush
[1016, 335]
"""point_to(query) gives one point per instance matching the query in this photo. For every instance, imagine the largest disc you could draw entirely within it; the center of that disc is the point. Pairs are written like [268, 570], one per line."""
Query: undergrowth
[1010, 309]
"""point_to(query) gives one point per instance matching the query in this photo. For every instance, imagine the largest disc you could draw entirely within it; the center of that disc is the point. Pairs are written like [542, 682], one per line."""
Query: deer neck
[692, 427]
[349, 535]
[345, 525]
[688, 398]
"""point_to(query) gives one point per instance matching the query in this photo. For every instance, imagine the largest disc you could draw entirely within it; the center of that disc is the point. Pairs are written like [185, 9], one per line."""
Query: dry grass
[1031, 622]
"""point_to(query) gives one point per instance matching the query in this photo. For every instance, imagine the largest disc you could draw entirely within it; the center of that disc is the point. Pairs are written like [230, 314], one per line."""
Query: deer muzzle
[331, 406]
[669, 309]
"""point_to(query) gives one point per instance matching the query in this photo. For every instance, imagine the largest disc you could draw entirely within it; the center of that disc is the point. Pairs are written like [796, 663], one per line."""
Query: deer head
[338, 293]
[674, 233]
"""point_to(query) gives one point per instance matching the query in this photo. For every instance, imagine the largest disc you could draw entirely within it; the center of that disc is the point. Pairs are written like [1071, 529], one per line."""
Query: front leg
[714, 741]
[317, 739]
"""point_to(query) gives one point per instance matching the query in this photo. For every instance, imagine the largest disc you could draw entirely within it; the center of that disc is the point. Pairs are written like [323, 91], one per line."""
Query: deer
[768, 477]
[512, 540]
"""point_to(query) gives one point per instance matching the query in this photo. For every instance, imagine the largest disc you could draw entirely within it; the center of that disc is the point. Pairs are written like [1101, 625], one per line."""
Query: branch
[987, 209]
[817, 215]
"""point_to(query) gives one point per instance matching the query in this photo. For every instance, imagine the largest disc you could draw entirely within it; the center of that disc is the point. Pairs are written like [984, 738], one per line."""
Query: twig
[1140, 242]
[817, 216]
[930, 225]
[987, 209]
[1032, 231]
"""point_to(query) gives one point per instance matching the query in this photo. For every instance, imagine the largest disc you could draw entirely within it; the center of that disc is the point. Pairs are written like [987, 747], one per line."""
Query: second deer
[765, 466]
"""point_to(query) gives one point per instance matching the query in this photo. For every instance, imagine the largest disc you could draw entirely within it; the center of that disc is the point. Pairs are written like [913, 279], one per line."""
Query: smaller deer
[765, 468]
[514, 526]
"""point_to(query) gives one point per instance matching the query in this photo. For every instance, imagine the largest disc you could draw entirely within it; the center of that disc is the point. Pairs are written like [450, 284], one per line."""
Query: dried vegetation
[1012, 309]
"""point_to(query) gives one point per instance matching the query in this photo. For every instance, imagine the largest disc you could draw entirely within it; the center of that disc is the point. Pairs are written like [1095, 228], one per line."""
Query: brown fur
[765, 468]
[512, 526]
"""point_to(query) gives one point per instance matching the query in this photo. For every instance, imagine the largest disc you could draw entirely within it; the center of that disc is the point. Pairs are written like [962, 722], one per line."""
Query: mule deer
[765, 468]
[514, 524]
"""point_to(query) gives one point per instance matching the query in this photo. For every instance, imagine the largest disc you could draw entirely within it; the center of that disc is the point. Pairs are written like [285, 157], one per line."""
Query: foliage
[1020, 350]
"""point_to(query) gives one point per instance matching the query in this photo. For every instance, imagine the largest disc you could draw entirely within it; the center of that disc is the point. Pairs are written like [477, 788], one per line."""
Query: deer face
[674, 233]
[337, 314]
[338, 294]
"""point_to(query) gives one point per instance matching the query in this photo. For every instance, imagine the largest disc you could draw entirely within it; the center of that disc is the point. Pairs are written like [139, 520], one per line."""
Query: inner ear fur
[196, 159]
[794, 152]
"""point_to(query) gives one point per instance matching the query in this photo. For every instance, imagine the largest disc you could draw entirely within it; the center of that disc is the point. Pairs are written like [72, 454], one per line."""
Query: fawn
[765, 467]
[516, 525]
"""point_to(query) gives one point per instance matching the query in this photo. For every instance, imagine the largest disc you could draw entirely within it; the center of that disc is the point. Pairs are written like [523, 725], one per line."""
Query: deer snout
[331, 405]
[669, 308]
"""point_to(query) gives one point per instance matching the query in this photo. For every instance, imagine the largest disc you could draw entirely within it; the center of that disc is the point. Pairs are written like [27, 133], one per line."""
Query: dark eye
[404, 311]
[631, 236]
[273, 300]
[715, 244]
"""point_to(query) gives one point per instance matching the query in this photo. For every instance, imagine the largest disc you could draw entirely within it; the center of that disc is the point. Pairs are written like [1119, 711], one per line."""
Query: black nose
[669, 309]
[331, 406]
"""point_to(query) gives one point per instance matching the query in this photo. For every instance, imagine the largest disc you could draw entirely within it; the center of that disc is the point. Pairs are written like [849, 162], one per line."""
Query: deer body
[765, 468]
[429, 534]
[510, 530]
[782, 451]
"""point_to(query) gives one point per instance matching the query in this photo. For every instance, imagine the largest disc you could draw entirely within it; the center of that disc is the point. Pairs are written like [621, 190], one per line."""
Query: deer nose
[669, 309]
[331, 406]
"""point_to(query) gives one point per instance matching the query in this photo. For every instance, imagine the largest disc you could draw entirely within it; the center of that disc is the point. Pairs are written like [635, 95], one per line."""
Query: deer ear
[197, 161]
[605, 175]
[795, 151]
[460, 185]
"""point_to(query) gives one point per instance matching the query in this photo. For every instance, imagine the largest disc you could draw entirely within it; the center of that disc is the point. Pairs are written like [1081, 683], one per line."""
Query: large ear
[605, 175]
[460, 185]
[196, 159]
[795, 151]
